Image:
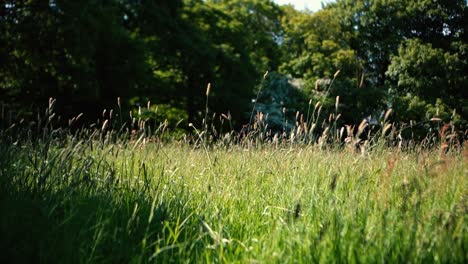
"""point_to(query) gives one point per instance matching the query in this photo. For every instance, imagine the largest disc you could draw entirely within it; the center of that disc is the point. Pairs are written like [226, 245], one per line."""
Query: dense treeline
[407, 55]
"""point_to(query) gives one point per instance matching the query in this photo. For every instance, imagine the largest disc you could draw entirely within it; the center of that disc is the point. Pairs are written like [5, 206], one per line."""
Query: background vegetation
[406, 55]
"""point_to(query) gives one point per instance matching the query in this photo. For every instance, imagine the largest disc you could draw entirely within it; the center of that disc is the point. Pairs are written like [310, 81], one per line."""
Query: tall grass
[110, 196]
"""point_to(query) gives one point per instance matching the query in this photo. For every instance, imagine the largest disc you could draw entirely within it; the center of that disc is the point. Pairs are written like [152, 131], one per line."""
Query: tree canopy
[374, 54]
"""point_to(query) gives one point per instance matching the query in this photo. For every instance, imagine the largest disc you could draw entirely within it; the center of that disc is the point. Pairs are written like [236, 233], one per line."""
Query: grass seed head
[362, 126]
[362, 80]
[104, 125]
[208, 89]
[337, 102]
[336, 74]
[387, 114]
[312, 127]
[317, 105]
[387, 126]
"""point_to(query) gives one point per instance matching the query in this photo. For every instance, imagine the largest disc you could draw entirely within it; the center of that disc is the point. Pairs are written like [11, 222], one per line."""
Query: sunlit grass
[140, 201]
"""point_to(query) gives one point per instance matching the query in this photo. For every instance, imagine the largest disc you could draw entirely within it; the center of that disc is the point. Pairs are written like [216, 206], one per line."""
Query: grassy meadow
[103, 196]
[249, 131]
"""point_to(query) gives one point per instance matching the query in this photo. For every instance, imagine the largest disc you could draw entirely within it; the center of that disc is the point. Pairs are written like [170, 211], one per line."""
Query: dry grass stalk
[312, 128]
[317, 105]
[325, 132]
[387, 114]
[51, 102]
[337, 102]
[362, 80]
[336, 73]
[349, 130]
[260, 116]
[104, 125]
[387, 126]
[361, 127]
[208, 89]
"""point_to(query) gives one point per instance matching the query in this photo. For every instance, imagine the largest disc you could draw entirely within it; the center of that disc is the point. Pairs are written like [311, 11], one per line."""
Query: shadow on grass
[77, 228]
[46, 217]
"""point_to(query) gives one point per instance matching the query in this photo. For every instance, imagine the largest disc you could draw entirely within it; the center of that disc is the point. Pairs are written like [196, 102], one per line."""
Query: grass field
[89, 199]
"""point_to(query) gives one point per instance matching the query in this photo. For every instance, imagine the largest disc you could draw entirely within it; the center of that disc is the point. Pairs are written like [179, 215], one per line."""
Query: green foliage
[259, 25]
[315, 46]
[424, 71]
[410, 108]
[279, 101]
[418, 117]
[88, 53]
[165, 114]
[434, 76]
[82, 63]
[380, 26]
[413, 108]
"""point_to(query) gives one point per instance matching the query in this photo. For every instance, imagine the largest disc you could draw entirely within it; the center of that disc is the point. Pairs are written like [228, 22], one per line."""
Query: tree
[75, 51]
[410, 46]
[87, 53]
[431, 74]
[380, 26]
[315, 47]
